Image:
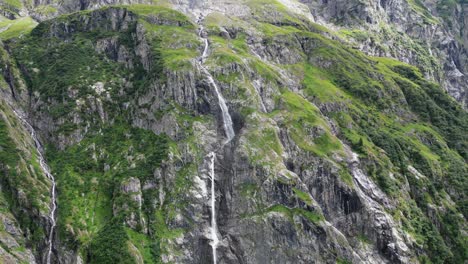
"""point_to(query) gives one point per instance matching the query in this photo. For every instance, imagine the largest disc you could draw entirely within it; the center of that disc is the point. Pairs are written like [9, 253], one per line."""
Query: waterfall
[214, 226]
[230, 134]
[46, 170]
[227, 120]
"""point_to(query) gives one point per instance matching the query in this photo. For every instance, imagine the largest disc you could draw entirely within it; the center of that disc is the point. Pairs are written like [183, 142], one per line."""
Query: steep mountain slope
[337, 157]
[429, 34]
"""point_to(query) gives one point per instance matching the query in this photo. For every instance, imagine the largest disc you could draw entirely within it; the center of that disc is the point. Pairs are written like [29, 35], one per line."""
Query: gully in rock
[49, 175]
[230, 134]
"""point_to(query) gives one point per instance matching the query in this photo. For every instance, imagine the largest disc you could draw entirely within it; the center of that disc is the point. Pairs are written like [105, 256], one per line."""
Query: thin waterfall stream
[214, 225]
[230, 134]
[227, 120]
[46, 169]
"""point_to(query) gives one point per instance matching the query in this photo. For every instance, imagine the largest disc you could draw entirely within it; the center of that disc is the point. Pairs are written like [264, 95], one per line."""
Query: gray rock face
[130, 203]
[10, 249]
[437, 45]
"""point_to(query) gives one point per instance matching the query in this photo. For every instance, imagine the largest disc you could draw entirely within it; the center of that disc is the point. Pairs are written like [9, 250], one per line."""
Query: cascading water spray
[227, 120]
[46, 170]
[230, 134]
[214, 227]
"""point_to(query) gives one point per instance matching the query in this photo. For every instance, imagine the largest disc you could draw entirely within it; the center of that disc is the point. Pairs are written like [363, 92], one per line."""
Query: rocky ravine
[337, 157]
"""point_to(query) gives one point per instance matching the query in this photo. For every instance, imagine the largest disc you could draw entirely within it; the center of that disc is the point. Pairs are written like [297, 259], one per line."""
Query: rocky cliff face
[428, 34]
[338, 156]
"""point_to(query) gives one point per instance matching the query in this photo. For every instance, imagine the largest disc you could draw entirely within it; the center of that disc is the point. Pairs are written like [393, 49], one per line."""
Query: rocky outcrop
[12, 246]
[129, 204]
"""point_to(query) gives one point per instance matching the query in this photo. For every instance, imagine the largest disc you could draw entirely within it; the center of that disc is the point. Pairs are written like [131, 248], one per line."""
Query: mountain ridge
[338, 156]
[432, 35]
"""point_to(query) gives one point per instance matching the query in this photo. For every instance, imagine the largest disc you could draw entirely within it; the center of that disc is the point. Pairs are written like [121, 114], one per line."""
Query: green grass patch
[418, 7]
[346, 176]
[303, 196]
[161, 12]
[144, 245]
[12, 4]
[308, 130]
[273, 12]
[357, 34]
[363, 238]
[318, 85]
[16, 28]
[313, 217]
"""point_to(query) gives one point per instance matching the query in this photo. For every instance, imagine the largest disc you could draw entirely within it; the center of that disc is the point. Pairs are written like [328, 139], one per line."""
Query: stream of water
[46, 170]
[214, 226]
[230, 134]
[227, 120]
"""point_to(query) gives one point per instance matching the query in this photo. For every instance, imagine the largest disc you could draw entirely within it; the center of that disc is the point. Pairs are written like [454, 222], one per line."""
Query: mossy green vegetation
[16, 28]
[9, 154]
[318, 85]
[265, 148]
[303, 196]
[308, 129]
[90, 173]
[13, 3]
[382, 104]
[173, 33]
[343, 261]
[418, 6]
[161, 12]
[110, 245]
[144, 245]
[359, 35]
[273, 12]
[10, 7]
[392, 117]
[54, 68]
[346, 176]
[312, 216]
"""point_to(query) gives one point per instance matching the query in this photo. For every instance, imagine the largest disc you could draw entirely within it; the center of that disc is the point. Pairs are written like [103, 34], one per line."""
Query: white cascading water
[227, 120]
[49, 175]
[214, 226]
[230, 134]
